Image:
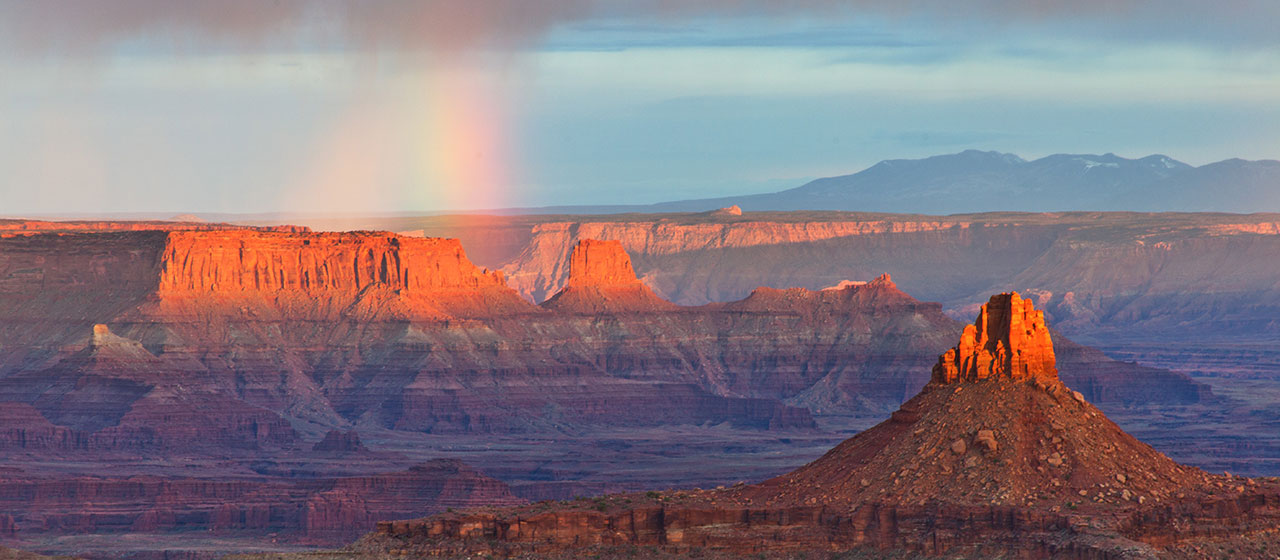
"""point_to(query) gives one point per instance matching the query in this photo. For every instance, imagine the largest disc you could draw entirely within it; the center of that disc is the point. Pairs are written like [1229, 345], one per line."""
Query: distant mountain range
[976, 181]
[968, 182]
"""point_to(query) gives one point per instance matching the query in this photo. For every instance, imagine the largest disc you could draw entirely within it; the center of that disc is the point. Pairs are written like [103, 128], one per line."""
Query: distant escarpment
[1116, 277]
[995, 457]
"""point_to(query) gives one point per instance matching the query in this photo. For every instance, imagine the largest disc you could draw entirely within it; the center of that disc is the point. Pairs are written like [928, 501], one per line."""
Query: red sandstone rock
[1009, 339]
[759, 251]
[248, 261]
[600, 264]
[601, 280]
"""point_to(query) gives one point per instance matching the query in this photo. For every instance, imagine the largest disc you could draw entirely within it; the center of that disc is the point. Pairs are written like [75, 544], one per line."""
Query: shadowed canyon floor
[316, 379]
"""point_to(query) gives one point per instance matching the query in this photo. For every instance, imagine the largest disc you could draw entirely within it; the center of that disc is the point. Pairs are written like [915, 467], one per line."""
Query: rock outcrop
[601, 280]
[600, 264]
[695, 250]
[238, 261]
[1008, 340]
[1012, 463]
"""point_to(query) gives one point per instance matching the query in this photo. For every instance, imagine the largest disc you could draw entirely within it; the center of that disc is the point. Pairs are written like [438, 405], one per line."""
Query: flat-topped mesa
[600, 263]
[1009, 340]
[235, 261]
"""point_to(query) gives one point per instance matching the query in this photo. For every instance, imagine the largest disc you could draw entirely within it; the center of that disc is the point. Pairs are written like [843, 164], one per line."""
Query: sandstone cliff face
[1009, 339]
[600, 264]
[252, 261]
[406, 334]
[601, 280]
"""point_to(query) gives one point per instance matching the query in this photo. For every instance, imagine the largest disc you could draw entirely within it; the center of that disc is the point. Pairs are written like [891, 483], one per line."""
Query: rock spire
[1009, 340]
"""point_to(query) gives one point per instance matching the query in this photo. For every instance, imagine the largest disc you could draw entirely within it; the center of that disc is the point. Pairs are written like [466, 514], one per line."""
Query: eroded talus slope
[994, 457]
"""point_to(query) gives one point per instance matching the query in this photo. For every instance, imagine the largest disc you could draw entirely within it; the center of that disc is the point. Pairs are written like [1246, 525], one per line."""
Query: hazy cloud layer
[79, 27]
[267, 105]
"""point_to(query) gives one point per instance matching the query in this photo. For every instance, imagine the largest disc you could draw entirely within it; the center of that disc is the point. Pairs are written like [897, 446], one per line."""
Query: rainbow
[466, 162]
[435, 143]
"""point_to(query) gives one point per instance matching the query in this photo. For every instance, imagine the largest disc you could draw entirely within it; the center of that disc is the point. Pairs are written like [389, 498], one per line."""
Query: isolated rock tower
[1009, 339]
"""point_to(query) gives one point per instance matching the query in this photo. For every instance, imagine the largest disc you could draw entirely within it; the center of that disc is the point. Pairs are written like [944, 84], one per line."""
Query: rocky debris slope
[996, 456]
[1006, 431]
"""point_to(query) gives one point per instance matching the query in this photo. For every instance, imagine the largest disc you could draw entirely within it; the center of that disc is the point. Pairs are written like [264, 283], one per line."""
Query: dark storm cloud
[77, 26]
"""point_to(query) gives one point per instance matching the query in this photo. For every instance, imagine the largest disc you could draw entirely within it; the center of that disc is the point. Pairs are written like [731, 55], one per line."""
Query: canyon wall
[1099, 276]
[233, 261]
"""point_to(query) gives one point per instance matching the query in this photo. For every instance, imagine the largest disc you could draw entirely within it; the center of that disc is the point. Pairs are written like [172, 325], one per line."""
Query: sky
[326, 106]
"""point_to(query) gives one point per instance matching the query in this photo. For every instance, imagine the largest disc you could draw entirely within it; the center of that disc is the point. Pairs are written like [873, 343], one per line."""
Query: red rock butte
[601, 280]
[1008, 340]
[600, 263]
[264, 261]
